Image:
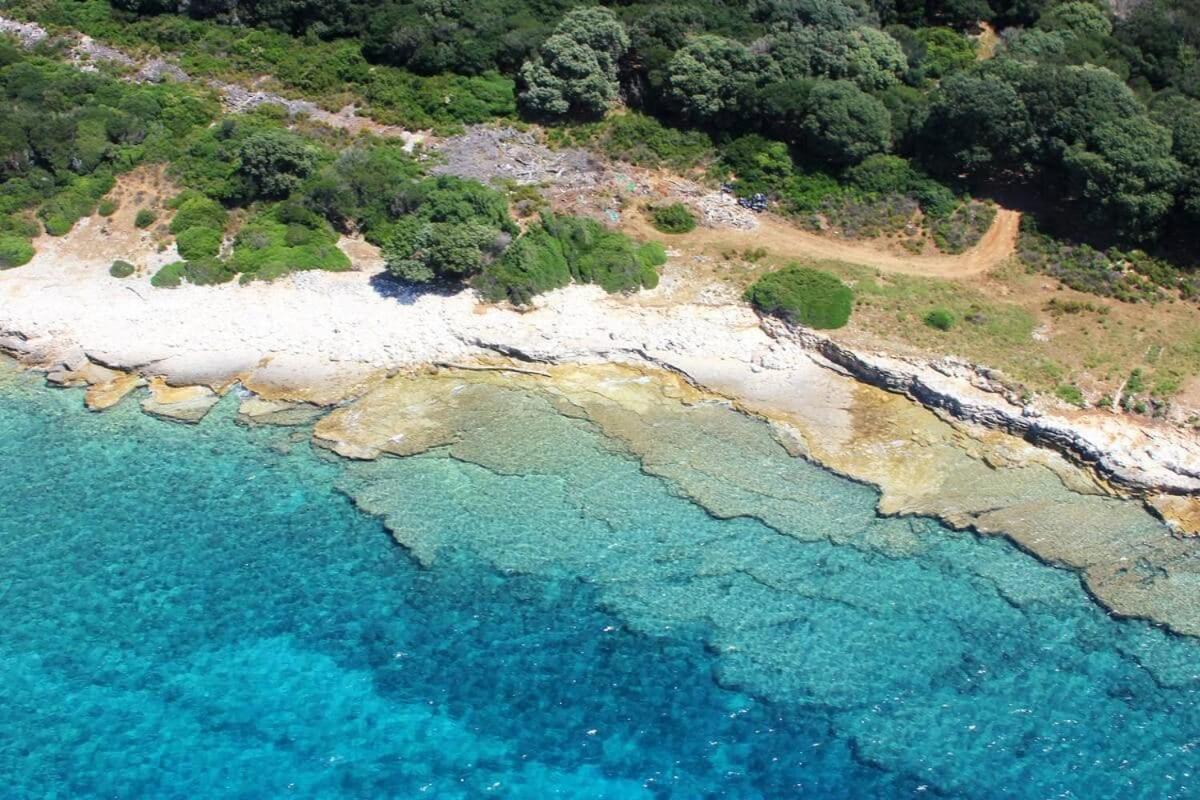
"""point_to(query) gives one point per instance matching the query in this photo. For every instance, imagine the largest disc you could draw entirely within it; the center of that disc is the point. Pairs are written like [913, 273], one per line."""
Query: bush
[940, 318]
[201, 272]
[561, 249]
[639, 140]
[285, 238]
[169, 276]
[207, 271]
[107, 208]
[197, 211]
[1070, 394]
[964, 228]
[145, 218]
[675, 218]
[883, 174]
[14, 252]
[198, 243]
[452, 230]
[60, 213]
[121, 269]
[803, 296]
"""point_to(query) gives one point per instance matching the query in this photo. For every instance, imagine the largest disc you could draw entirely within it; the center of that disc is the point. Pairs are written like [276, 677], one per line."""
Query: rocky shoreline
[624, 363]
[1133, 458]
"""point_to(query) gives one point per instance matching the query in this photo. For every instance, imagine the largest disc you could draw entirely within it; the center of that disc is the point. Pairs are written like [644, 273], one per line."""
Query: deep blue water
[197, 612]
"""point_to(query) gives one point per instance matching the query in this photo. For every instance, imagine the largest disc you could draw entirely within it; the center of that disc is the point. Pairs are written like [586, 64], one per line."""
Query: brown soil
[986, 42]
[783, 240]
[106, 239]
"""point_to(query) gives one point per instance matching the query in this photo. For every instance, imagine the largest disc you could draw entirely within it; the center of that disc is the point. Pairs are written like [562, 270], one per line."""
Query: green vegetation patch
[1131, 276]
[939, 319]
[673, 218]
[453, 229]
[201, 272]
[121, 269]
[964, 228]
[14, 252]
[639, 140]
[194, 210]
[286, 238]
[561, 249]
[145, 218]
[803, 296]
[168, 276]
[67, 134]
[1070, 393]
[198, 242]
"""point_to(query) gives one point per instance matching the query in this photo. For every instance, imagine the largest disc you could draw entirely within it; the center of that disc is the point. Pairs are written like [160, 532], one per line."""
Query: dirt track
[780, 238]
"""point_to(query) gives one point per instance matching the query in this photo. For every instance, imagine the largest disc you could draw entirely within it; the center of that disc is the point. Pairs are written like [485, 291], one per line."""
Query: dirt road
[780, 238]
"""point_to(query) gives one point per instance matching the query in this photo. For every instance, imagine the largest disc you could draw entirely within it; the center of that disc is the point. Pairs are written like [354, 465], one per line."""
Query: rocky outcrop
[1142, 457]
[187, 404]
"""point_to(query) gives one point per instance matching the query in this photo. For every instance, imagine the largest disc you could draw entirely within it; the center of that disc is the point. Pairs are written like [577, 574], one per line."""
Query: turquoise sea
[204, 612]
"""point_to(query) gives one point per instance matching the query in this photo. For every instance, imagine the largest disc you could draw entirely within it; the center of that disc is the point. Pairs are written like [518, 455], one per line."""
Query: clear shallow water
[191, 612]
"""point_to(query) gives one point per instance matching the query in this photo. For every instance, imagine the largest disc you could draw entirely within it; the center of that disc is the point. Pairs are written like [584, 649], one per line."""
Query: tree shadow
[406, 293]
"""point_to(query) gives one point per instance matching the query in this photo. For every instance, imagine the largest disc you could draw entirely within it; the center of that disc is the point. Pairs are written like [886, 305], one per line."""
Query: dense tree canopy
[575, 70]
[711, 79]
[1063, 106]
[844, 124]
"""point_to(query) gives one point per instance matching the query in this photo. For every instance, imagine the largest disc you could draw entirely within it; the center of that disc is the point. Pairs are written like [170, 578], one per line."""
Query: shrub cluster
[202, 272]
[803, 296]
[1130, 276]
[640, 140]
[673, 218]
[284, 238]
[560, 250]
[453, 228]
[963, 228]
[65, 134]
[14, 251]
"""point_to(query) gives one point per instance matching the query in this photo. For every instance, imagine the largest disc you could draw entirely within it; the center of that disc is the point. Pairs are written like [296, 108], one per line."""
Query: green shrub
[285, 238]
[1070, 394]
[803, 296]
[107, 208]
[883, 174]
[453, 229]
[121, 269]
[60, 213]
[1129, 277]
[14, 252]
[198, 242]
[675, 218]
[197, 211]
[145, 218]
[758, 164]
[20, 226]
[940, 318]
[169, 276]
[639, 140]
[207, 271]
[561, 249]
